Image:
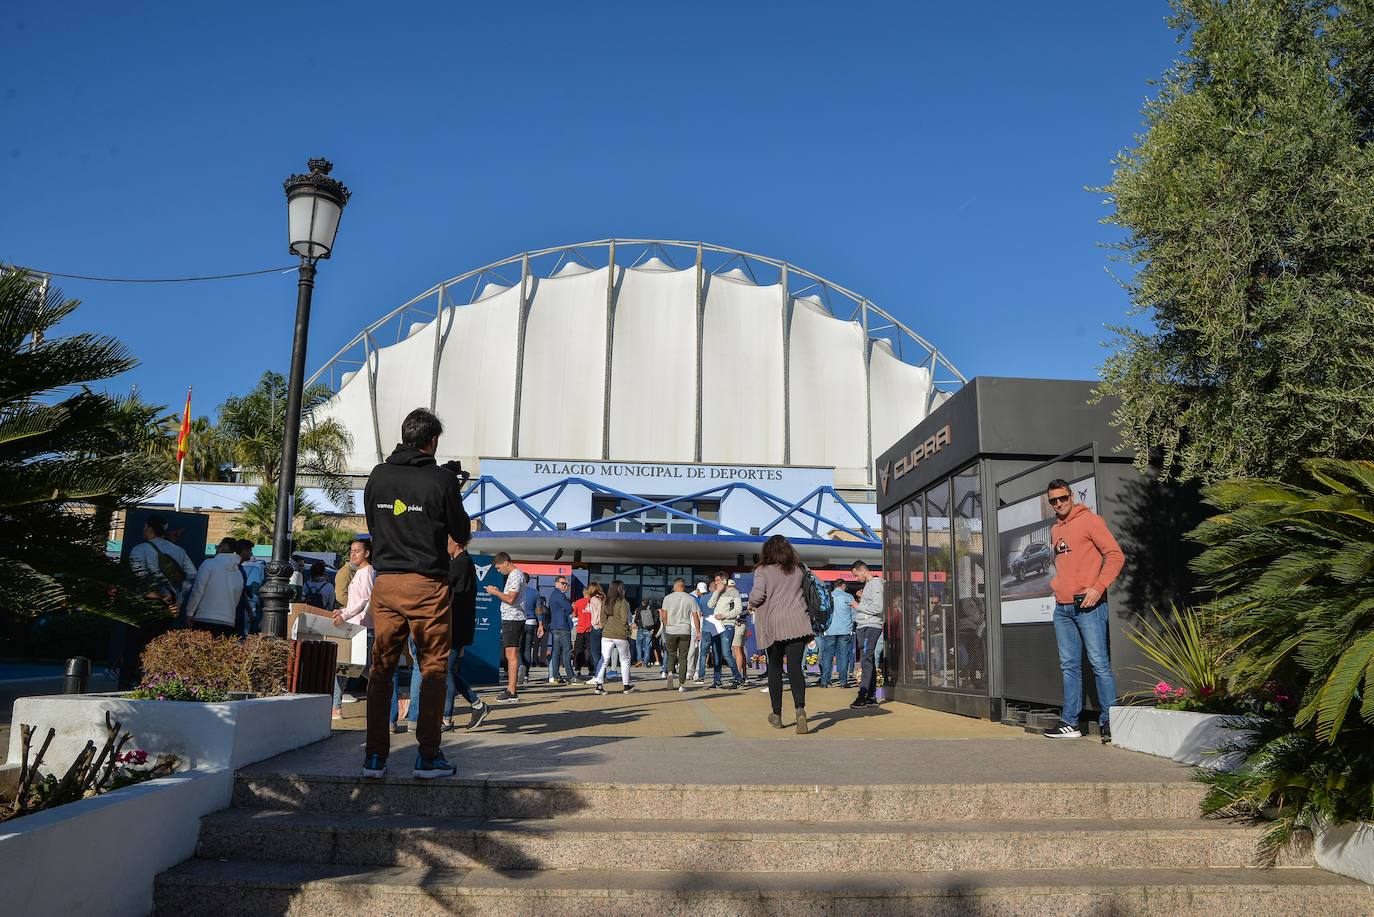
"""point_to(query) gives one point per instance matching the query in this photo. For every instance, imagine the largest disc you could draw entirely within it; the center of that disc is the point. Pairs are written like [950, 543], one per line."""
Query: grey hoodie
[869, 611]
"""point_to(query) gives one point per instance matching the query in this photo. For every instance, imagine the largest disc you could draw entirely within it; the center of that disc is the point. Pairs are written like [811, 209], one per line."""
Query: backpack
[819, 606]
[314, 597]
[171, 570]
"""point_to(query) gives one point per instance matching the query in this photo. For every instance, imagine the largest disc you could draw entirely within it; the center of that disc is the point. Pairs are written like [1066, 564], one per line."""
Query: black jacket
[462, 580]
[412, 507]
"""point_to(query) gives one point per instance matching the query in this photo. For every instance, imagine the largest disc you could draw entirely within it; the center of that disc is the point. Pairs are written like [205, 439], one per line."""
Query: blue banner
[482, 660]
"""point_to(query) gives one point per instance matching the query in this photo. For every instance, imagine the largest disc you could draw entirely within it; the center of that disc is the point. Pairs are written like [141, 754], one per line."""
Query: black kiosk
[966, 555]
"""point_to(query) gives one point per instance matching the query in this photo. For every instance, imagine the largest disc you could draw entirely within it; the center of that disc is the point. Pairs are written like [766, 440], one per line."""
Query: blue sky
[931, 158]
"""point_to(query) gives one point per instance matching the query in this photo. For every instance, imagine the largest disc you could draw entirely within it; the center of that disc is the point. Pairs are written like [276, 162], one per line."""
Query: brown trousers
[415, 605]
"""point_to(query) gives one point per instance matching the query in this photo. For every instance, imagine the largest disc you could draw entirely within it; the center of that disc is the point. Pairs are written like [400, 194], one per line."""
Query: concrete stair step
[209, 888]
[571, 843]
[399, 795]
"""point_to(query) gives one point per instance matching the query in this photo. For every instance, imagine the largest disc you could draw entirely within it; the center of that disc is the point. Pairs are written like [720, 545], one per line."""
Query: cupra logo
[884, 473]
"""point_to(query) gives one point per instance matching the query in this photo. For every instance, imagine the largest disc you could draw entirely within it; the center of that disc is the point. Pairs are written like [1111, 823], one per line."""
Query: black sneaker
[716, 685]
[1106, 734]
[399, 727]
[506, 697]
[599, 690]
[430, 768]
[1062, 731]
[860, 701]
[478, 715]
[628, 689]
[374, 766]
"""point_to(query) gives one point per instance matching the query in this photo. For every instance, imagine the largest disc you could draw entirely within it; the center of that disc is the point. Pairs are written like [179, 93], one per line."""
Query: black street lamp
[314, 204]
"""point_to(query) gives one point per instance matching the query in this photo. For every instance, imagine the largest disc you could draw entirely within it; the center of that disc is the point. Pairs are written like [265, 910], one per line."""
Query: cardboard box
[307, 622]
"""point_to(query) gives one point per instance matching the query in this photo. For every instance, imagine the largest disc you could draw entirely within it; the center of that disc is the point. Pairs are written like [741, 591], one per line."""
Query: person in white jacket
[215, 596]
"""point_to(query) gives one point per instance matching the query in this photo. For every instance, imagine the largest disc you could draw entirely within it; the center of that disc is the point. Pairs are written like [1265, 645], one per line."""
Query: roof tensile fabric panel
[741, 385]
[654, 367]
[562, 394]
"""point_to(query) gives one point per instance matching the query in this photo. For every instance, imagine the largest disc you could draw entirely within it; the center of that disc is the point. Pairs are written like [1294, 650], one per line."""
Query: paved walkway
[702, 736]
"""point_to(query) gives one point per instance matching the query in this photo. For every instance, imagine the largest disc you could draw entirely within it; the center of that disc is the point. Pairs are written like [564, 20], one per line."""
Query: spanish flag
[184, 437]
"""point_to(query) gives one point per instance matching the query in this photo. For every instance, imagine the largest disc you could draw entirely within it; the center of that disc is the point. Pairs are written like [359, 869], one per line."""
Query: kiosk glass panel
[940, 601]
[970, 582]
[916, 594]
[892, 586]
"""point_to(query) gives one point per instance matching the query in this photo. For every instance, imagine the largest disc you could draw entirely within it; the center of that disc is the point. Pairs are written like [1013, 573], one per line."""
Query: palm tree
[257, 520]
[69, 457]
[254, 426]
[1293, 569]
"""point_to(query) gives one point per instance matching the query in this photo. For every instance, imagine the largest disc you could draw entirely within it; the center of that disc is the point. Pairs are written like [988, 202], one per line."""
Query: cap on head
[701, 587]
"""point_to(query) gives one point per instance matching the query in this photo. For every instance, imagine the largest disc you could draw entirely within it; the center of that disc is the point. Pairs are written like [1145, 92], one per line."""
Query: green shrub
[194, 665]
[1293, 569]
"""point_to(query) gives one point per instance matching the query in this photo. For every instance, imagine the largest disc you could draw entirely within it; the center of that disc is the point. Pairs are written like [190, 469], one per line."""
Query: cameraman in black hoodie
[413, 507]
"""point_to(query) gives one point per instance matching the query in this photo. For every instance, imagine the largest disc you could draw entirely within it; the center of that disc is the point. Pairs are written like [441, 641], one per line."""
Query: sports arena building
[648, 408]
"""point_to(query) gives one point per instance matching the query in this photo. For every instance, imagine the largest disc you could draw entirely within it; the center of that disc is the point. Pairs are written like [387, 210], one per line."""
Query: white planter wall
[100, 855]
[204, 736]
[1188, 738]
[1347, 849]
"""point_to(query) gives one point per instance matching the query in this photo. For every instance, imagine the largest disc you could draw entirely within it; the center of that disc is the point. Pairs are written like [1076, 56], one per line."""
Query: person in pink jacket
[358, 608]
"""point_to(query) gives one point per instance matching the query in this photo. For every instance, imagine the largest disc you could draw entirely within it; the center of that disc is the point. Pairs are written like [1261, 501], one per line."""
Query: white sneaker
[553, 681]
[349, 699]
[682, 689]
[663, 675]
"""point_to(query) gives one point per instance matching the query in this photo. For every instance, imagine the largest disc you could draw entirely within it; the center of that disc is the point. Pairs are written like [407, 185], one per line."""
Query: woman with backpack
[781, 624]
[615, 634]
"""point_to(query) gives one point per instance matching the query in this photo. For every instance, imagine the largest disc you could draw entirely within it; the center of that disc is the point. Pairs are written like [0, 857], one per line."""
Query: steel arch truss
[839, 301]
[493, 496]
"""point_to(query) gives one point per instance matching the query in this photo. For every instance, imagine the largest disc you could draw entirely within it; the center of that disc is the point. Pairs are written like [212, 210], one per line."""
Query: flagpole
[183, 445]
[181, 476]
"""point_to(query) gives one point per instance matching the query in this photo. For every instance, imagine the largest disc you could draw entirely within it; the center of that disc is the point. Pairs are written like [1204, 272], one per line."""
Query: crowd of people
[413, 587]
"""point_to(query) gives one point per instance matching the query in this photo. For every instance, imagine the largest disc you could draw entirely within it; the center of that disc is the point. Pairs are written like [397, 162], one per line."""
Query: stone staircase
[295, 844]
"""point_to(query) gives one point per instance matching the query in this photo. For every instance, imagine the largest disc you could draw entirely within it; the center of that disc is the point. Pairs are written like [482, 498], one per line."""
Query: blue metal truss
[799, 512]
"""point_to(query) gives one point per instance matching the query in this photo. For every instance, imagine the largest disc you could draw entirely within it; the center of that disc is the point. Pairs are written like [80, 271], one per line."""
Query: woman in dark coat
[462, 577]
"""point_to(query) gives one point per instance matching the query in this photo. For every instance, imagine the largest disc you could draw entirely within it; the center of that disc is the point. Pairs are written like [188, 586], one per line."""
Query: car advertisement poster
[1023, 532]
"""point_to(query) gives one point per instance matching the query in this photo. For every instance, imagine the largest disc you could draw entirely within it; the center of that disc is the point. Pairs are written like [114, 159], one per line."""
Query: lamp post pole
[276, 587]
[315, 204]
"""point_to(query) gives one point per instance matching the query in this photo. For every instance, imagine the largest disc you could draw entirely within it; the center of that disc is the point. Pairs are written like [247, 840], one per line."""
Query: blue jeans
[457, 685]
[561, 654]
[594, 647]
[1076, 631]
[868, 638]
[721, 643]
[644, 643]
[836, 653]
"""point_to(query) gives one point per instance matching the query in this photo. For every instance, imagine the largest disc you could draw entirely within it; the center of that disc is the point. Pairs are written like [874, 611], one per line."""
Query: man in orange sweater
[1086, 560]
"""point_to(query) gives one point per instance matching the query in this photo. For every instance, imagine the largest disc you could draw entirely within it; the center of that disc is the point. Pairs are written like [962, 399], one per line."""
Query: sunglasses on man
[1055, 501]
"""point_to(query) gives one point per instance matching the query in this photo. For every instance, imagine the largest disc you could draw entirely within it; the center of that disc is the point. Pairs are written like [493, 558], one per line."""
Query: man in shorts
[513, 600]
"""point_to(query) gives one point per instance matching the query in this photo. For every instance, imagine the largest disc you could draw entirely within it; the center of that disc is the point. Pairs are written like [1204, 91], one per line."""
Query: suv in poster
[1036, 558]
